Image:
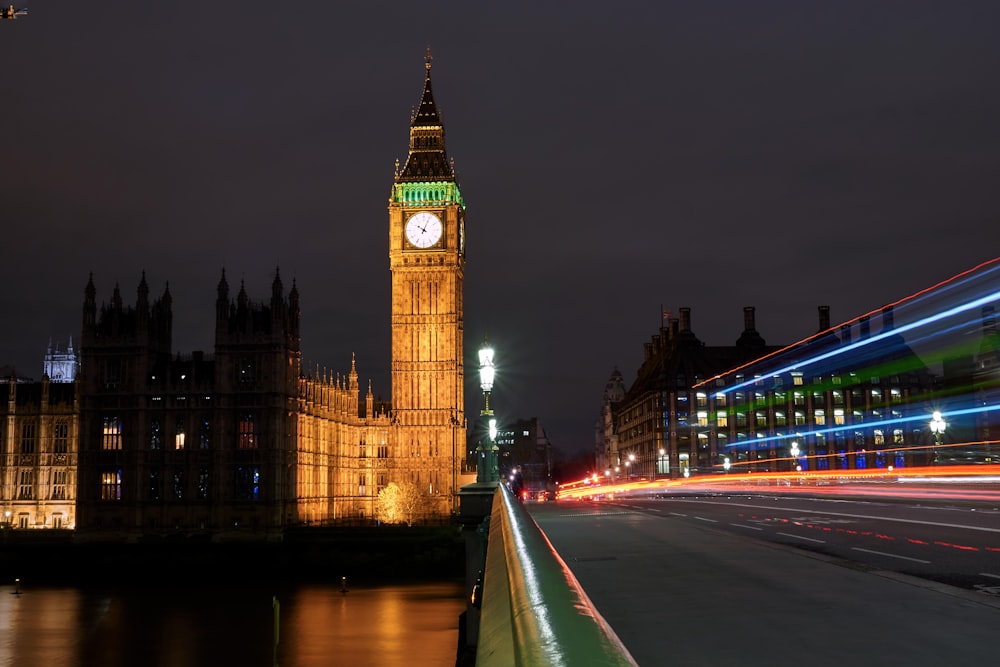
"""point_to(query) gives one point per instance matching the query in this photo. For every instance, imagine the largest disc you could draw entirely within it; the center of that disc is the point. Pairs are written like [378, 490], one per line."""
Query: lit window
[112, 434]
[247, 432]
[179, 434]
[111, 485]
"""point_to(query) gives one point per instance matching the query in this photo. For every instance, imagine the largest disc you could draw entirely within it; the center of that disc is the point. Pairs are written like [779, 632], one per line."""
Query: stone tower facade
[427, 262]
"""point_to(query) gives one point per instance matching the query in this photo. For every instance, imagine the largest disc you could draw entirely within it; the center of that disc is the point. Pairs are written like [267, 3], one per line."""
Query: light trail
[979, 483]
[959, 279]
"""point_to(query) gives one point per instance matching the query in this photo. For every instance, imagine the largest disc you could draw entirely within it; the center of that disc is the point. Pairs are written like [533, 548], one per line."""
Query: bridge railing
[534, 611]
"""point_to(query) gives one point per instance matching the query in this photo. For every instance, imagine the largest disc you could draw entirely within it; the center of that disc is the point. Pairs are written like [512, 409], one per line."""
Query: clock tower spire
[427, 265]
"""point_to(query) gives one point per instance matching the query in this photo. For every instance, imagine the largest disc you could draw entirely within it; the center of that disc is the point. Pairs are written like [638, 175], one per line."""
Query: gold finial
[428, 58]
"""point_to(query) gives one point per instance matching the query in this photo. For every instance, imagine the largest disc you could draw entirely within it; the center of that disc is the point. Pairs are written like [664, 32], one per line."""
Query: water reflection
[191, 626]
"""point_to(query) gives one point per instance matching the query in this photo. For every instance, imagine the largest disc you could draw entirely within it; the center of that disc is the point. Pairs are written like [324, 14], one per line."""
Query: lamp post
[795, 456]
[487, 467]
[631, 464]
[659, 464]
[938, 425]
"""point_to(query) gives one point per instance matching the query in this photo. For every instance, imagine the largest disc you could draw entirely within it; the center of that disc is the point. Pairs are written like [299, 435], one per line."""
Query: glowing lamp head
[493, 429]
[486, 369]
[938, 424]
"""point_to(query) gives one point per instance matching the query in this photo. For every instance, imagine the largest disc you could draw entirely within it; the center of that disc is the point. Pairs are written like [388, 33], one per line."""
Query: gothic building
[39, 428]
[145, 441]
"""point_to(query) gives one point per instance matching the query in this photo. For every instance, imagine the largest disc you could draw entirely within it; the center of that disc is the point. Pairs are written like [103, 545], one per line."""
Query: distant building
[526, 452]
[60, 366]
[693, 409]
[605, 438]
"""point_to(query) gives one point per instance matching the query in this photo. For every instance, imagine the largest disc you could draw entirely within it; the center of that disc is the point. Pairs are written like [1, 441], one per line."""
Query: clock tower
[427, 263]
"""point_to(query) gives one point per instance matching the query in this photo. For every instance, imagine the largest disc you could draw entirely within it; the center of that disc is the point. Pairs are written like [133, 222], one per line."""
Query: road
[765, 580]
[952, 544]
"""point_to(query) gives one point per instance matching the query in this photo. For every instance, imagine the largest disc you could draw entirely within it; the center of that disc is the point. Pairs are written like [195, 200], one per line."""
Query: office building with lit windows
[695, 409]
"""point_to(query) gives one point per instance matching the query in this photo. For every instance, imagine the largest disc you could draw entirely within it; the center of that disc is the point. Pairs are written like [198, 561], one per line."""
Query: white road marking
[742, 525]
[807, 539]
[701, 518]
[856, 516]
[987, 574]
[882, 553]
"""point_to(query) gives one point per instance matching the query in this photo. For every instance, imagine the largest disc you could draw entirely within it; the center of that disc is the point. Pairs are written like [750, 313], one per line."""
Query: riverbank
[372, 554]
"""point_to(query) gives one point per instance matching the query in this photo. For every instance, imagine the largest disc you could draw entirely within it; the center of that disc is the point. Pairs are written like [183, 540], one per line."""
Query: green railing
[534, 612]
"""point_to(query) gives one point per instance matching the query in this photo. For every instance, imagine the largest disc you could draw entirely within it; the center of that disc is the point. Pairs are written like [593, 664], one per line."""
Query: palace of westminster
[124, 438]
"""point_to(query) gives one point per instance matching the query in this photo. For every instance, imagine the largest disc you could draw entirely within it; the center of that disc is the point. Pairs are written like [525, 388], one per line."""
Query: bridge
[814, 511]
[623, 583]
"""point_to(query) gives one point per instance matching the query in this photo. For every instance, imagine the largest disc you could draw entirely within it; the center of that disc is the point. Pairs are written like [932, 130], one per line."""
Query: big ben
[427, 263]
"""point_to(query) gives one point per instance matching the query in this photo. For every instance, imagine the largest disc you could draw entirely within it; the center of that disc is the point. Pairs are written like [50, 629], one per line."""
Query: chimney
[989, 323]
[887, 318]
[824, 318]
[749, 321]
[685, 319]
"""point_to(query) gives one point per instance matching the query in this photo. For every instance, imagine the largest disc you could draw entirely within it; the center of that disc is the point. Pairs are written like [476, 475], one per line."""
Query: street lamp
[659, 464]
[795, 455]
[487, 469]
[938, 425]
[486, 374]
[630, 462]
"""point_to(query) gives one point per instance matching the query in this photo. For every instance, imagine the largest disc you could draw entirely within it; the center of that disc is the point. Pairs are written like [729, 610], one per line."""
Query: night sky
[617, 159]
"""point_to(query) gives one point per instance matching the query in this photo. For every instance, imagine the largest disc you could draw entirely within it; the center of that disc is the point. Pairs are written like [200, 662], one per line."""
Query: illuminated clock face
[423, 229]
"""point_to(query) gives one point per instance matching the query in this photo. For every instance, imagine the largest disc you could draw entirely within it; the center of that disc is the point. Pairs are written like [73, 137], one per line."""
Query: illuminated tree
[400, 503]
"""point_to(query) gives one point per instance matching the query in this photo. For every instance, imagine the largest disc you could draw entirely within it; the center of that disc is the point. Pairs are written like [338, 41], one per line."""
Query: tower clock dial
[423, 229]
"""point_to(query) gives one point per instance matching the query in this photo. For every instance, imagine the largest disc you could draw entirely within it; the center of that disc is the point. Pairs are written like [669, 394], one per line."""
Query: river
[158, 625]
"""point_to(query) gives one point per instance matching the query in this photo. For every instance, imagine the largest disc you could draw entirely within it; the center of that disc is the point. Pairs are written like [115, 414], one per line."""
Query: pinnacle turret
[427, 160]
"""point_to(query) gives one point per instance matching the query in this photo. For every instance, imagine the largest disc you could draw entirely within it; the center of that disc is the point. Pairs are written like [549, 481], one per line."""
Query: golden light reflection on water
[163, 626]
[384, 626]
